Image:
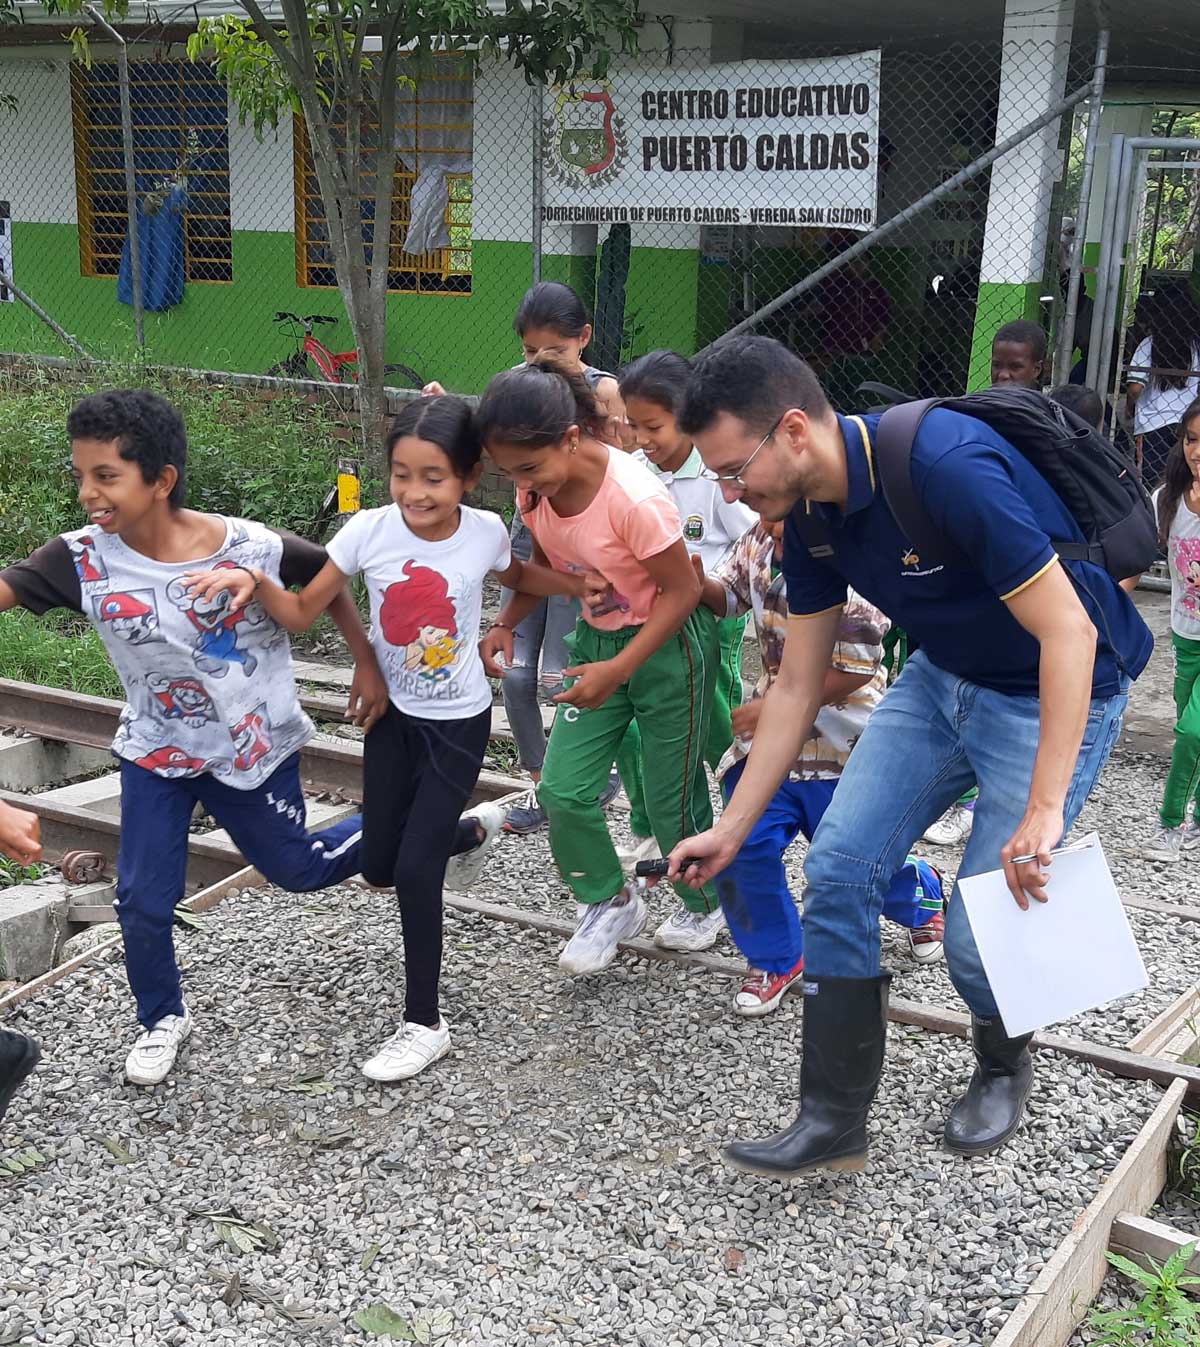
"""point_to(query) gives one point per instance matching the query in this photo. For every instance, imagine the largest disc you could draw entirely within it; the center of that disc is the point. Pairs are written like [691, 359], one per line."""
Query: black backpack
[1092, 478]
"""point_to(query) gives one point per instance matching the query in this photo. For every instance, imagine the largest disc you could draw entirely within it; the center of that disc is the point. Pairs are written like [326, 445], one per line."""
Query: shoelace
[398, 1040]
[756, 983]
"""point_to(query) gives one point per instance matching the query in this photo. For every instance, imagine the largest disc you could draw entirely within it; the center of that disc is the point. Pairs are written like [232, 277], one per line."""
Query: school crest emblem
[583, 137]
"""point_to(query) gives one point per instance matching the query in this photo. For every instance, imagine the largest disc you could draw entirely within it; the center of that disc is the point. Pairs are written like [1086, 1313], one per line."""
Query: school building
[917, 312]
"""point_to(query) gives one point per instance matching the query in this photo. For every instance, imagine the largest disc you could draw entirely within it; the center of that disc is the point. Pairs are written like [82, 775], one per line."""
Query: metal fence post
[135, 259]
[537, 193]
[1065, 345]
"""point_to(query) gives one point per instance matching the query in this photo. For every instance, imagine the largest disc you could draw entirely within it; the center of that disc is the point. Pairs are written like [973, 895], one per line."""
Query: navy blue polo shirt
[1001, 513]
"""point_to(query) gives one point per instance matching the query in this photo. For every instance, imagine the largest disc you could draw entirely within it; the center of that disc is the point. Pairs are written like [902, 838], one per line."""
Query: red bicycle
[338, 367]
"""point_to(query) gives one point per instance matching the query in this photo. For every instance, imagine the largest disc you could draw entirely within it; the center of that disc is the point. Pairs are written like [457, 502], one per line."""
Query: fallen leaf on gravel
[384, 1322]
[311, 1083]
[116, 1150]
[734, 1258]
[435, 1324]
[369, 1257]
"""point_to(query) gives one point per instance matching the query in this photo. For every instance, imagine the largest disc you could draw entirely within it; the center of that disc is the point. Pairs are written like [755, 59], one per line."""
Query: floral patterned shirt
[748, 576]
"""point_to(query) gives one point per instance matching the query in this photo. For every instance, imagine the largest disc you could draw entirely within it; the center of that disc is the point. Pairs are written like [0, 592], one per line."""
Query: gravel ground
[553, 1180]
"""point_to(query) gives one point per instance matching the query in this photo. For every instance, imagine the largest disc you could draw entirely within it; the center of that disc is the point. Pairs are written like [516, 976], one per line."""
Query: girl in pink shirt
[638, 652]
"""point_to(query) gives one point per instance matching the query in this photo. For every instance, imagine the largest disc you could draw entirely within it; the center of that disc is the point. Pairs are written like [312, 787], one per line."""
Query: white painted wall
[261, 188]
[37, 156]
[1033, 73]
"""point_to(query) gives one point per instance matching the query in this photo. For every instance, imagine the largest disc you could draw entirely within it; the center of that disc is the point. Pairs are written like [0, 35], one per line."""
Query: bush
[269, 460]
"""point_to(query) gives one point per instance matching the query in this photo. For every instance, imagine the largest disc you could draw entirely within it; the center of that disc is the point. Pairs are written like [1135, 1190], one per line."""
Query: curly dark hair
[148, 431]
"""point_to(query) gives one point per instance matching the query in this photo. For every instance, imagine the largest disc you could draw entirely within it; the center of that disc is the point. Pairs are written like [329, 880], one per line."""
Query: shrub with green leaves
[1164, 1316]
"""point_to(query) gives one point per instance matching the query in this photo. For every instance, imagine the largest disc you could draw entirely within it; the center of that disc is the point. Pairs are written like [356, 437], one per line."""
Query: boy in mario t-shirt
[211, 712]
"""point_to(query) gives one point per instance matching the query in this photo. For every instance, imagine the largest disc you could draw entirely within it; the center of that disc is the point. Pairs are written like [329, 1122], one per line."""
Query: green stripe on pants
[1183, 778]
[670, 695]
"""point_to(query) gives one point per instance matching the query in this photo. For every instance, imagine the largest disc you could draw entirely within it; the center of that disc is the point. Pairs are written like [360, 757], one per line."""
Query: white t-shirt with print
[1158, 407]
[1183, 561]
[426, 600]
[711, 524]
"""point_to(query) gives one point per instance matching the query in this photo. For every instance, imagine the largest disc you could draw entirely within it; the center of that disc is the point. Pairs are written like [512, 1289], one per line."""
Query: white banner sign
[748, 142]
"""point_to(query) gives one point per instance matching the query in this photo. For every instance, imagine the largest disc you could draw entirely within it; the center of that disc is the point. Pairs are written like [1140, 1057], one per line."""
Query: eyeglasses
[736, 478]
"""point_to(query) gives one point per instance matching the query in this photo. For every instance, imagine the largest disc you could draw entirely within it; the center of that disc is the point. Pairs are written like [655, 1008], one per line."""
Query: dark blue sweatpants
[267, 827]
[755, 898]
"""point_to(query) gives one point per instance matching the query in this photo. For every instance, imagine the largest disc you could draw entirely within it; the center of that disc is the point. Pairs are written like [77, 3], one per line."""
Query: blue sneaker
[526, 816]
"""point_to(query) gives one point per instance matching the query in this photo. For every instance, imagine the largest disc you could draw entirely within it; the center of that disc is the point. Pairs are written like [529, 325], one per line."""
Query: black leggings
[417, 778]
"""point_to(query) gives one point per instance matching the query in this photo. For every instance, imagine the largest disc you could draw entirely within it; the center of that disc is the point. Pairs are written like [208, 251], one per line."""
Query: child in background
[551, 321]
[1019, 355]
[1085, 402]
[641, 653]
[1177, 504]
[652, 388]
[212, 714]
[20, 841]
[754, 891]
[1164, 376]
[424, 559]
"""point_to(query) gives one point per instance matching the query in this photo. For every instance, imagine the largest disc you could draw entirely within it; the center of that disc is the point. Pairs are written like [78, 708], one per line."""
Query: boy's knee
[562, 799]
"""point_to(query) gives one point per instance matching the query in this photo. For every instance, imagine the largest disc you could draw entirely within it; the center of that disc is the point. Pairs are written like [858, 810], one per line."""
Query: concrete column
[1033, 74]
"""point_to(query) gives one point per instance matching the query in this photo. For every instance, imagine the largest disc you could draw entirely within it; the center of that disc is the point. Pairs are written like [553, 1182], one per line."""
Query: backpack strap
[894, 437]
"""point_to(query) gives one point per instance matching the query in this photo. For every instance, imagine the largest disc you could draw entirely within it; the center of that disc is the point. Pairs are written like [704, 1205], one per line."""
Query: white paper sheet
[1059, 958]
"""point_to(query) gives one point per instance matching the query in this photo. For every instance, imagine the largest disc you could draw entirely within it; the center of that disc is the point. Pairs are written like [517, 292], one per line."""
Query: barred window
[180, 123]
[435, 119]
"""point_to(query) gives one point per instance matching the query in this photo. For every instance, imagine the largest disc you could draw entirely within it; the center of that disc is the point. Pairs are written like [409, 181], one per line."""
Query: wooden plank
[200, 902]
[1140, 1239]
[1059, 1298]
[1166, 1026]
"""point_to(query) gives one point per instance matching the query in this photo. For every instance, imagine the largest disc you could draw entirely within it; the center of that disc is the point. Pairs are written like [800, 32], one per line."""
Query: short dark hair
[446, 421]
[535, 405]
[554, 305]
[756, 379]
[660, 377]
[1022, 332]
[1085, 402]
[147, 430]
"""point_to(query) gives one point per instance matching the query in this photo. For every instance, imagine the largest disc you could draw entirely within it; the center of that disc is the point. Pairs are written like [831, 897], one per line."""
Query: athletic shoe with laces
[1166, 844]
[953, 828]
[408, 1052]
[761, 991]
[688, 930]
[643, 849]
[463, 870]
[1191, 835]
[526, 816]
[18, 1056]
[153, 1055]
[927, 943]
[601, 928]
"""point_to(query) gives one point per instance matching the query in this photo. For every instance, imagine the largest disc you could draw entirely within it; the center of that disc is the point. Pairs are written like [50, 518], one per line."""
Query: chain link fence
[682, 197]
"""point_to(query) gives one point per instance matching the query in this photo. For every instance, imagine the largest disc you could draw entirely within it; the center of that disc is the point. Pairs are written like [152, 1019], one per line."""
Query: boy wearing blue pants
[758, 906]
[211, 714]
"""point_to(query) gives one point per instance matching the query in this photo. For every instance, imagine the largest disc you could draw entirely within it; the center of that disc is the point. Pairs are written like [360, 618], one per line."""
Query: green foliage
[1164, 1316]
[13, 872]
[57, 651]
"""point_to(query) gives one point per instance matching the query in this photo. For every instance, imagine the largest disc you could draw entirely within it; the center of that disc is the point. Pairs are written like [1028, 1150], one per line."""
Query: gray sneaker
[1166, 845]
[602, 927]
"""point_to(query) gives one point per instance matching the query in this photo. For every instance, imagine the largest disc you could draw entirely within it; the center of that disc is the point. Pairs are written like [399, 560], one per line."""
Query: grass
[59, 652]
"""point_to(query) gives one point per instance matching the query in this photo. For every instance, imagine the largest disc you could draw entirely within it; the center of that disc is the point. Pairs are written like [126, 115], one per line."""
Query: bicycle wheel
[294, 367]
[410, 376]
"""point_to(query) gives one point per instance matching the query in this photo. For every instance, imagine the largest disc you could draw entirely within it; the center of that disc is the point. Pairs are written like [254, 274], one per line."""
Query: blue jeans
[265, 824]
[931, 738]
[539, 639]
[758, 906]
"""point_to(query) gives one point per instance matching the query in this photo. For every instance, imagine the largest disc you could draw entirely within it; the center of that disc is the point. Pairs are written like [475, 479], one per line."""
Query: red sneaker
[761, 992]
[925, 944]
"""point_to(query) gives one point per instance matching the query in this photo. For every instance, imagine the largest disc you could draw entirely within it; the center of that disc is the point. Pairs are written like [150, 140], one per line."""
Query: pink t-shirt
[631, 517]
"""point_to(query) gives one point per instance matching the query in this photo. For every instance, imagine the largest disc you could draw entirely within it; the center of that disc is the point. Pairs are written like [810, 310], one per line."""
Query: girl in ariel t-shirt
[424, 559]
[639, 652]
[1177, 505]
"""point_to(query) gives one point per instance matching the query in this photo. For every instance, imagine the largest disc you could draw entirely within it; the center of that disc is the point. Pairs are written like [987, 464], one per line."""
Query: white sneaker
[953, 828]
[602, 927]
[463, 870]
[643, 849]
[1191, 835]
[409, 1051]
[1166, 844]
[690, 930]
[153, 1055]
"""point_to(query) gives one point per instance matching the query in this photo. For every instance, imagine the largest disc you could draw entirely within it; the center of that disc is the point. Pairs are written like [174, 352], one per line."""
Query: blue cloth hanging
[160, 246]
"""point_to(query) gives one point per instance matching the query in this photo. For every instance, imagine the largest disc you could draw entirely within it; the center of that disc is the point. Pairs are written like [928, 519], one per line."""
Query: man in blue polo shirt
[1018, 687]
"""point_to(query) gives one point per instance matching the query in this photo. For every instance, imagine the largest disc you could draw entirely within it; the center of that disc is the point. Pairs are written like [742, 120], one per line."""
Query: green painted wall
[999, 303]
[460, 339]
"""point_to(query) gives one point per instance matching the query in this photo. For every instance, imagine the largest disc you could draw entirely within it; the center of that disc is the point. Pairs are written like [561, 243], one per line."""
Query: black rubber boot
[18, 1056]
[990, 1111]
[845, 1023]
